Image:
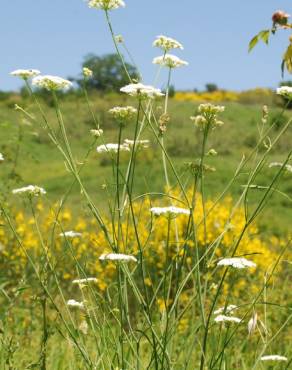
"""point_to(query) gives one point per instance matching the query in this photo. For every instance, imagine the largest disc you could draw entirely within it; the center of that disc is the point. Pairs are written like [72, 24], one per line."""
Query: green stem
[116, 45]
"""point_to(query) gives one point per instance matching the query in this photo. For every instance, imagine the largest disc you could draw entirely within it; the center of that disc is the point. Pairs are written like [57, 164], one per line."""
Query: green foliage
[261, 36]
[240, 122]
[287, 60]
[4, 95]
[108, 72]
[171, 91]
[211, 87]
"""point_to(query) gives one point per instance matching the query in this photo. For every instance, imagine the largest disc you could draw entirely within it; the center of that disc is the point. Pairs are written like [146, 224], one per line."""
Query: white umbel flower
[84, 281]
[70, 234]
[96, 132]
[170, 61]
[237, 262]
[106, 4]
[287, 167]
[223, 318]
[167, 43]
[210, 108]
[139, 143]
[1, 157]
[227, 309]
[274, 358]
[75, 304]
[123, 113]
[25, 74]
[32, 190]
[119, 257]
[171, 211]
[51, 82]
[285, 91]
[112, 148]
[141, 91]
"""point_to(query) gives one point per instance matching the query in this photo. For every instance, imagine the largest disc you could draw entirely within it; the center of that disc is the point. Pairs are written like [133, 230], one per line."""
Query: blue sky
[55, 35]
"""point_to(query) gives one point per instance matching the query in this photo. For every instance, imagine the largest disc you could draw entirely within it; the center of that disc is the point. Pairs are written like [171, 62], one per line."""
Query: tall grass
[172, 322]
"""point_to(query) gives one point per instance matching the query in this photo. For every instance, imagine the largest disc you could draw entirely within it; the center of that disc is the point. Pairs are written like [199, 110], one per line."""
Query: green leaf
[253, 43]
[263, 36]
[282, 68]
[287, 60]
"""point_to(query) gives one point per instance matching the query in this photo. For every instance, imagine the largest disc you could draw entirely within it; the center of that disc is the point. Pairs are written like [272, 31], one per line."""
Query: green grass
[31, 158]
[40, 163]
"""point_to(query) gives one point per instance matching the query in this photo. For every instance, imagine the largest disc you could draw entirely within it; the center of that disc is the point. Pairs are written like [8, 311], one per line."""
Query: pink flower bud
[280, 17]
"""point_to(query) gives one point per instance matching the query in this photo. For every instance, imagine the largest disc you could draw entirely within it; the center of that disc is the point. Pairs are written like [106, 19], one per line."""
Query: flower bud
[280, 18]
[119, 39]
[199, 121]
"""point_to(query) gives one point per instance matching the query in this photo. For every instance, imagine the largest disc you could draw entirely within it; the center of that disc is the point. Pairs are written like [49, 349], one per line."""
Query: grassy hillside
[32, 158]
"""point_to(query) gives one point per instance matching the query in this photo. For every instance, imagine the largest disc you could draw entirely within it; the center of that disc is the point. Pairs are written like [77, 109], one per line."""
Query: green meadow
[31, 154]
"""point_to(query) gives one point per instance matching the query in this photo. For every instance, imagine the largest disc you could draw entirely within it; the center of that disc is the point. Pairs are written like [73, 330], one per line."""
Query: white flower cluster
[169, 211]
[209, 108]
[74, 304]
[140, 144]
[125, 147]
[51, 82]
[87, 72]
[70, 234]
[112, 148]
[96, 132]
[141, 91]
[223, 318]
[208, 116]
[274, 358]
[167, 43]
[85, 281]
[170, 61]
[285, 91]
[288, 167]
[119, 257]
[222, 313]
[32, 190]
[123, 113]
[106, 4]
[225, 310]
[236, 262]
[1, 157]
[119, 39]
[25, 74]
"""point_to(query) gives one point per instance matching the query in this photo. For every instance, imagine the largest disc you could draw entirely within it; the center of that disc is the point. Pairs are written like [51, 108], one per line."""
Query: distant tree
[108, 72]
[211, 87]
[171, 91]
[285, 83]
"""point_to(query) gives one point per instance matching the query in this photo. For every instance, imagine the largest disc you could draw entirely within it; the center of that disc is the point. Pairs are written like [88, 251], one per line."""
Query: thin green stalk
[116, 45]
[72, 336]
